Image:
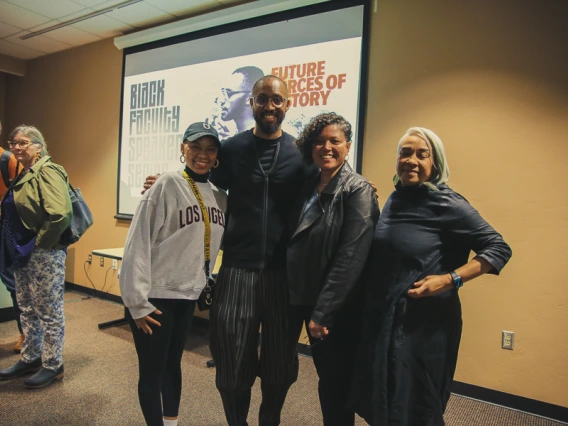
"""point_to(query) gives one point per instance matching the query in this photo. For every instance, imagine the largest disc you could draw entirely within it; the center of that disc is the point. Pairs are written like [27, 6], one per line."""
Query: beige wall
[2, 103]
[491, 78]
[73, 97]
[488, 76]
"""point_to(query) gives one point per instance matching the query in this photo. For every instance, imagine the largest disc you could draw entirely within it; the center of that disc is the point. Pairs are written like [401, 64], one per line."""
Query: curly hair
[314, 128]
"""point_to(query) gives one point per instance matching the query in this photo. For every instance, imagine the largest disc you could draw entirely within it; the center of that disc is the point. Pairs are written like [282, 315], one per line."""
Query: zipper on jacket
[264, 221]
[265, 206]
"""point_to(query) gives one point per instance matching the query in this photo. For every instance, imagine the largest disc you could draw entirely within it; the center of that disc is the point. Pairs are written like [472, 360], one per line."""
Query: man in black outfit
[263, 171]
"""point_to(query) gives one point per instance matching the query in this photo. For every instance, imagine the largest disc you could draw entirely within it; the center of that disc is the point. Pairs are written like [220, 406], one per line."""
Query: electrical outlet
[508, 340]
[90, 259]
[114, 264]
[102, 261]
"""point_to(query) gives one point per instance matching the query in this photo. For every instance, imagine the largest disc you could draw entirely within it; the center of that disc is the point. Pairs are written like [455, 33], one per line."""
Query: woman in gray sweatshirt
[173, 239]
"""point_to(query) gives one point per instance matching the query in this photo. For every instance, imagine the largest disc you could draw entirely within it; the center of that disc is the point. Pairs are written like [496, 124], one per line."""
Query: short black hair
[250, 75]
[314, 128]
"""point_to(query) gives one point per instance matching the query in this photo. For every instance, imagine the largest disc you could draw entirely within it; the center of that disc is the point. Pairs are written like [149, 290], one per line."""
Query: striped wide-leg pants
[246, 299]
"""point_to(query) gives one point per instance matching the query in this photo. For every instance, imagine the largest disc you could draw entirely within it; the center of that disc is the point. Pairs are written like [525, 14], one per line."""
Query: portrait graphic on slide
[159, 105]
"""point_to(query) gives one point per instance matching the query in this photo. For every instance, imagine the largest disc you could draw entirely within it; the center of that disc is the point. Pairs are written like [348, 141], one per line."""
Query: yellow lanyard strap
[206, 221]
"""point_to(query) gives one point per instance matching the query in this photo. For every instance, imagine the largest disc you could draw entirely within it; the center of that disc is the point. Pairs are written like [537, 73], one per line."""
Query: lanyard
[206, 221]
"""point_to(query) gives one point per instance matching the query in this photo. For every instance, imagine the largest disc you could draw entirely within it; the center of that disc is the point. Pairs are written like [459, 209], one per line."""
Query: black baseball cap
[198, 130]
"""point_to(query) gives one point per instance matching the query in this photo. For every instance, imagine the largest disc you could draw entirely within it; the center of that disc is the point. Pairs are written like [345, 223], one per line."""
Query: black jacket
[412, 344]
[329, 246]
[259, 203]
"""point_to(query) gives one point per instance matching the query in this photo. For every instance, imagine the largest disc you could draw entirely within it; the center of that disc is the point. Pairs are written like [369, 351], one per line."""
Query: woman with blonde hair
[35, 212]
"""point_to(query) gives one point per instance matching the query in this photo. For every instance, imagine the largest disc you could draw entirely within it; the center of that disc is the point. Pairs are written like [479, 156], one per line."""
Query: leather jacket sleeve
[361, 213]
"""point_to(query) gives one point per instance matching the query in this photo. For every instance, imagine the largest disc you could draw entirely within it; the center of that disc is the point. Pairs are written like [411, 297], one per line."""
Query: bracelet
[456, 279]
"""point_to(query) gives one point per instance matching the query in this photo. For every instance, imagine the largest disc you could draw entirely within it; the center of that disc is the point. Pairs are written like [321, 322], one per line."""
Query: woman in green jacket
[35, 212]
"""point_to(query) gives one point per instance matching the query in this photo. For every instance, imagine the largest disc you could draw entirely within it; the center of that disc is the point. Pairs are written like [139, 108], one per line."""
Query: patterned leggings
[39, 289]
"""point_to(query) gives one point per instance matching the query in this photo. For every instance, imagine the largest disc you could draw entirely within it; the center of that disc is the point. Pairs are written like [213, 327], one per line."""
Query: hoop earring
[216, 164]
[182, 158]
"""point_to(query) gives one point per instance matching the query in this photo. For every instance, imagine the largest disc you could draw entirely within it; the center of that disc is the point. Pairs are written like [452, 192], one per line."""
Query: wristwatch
[456, 279]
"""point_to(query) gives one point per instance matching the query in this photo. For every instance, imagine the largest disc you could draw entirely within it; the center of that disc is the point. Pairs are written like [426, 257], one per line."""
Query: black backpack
[4, 161]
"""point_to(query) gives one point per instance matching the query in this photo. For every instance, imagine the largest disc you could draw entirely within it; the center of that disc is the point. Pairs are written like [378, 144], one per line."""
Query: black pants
[245, 299]
[333, 357]
[159, 358]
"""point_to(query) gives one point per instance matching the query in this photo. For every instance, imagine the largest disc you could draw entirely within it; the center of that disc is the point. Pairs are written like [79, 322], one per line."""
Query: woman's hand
[431, 285]
[150, 180]
[144, 322]
[317, 331]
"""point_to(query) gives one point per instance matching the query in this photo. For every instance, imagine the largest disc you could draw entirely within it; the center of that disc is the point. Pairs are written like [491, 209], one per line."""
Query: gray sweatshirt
[163, 254]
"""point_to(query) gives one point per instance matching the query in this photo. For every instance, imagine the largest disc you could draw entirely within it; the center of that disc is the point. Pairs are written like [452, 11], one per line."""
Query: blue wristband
[456, 279]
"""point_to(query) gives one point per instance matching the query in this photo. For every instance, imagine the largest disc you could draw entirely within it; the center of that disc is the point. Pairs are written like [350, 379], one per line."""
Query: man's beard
[269, 128]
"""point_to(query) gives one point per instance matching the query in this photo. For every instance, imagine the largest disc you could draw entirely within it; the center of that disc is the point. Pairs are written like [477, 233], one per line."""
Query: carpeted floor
[101, 375]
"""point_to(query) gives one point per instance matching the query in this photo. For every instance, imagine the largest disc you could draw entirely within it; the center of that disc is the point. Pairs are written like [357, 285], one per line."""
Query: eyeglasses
[262, 100]
[22, 144]
[228, 93]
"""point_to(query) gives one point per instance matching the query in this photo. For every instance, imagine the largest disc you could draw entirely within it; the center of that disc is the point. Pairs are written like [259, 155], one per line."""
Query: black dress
[406, 363]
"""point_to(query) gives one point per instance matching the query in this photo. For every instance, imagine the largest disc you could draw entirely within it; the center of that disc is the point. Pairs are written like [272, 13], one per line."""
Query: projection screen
[196, 77]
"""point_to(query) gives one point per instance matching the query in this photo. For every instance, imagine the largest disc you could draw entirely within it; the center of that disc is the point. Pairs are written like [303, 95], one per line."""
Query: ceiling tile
[235, 2]
[19, 52]
[20, 17]
[72, 36]
[198, 10]
[172, 6]
[41, 43]
[109, 3]
[52, 8]
[103, 26]
[95, 3]
[138, 14]
[74, 15]
[6, 30]
[154, 22]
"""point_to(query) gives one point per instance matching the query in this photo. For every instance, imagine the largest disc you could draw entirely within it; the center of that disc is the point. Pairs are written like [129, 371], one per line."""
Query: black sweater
[412, 344]
[259, 202]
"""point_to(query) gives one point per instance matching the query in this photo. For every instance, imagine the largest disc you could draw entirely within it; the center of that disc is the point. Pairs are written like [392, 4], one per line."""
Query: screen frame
[300, 12]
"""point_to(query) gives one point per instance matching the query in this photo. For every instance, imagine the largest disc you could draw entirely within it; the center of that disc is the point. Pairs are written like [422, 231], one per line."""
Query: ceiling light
[80, 18]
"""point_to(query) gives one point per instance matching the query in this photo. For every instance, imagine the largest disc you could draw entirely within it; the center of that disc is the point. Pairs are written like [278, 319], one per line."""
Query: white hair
[440, 170]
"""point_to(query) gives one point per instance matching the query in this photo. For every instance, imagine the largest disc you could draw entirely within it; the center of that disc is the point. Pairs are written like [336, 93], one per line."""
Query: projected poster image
[159, 105]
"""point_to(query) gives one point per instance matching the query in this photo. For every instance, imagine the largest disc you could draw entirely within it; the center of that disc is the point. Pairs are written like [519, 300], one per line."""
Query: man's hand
[150, 180]
[317, 331]
[431, 285]
[144, 322]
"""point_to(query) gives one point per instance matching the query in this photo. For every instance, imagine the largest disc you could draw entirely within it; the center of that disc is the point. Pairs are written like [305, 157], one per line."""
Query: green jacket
[43, 203]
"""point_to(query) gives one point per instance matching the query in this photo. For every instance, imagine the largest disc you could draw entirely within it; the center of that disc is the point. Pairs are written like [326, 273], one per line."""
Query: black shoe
[20, 368]
[43, 378]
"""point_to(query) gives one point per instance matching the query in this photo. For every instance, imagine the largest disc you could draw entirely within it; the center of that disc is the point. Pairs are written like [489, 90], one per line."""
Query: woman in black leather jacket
[332, 223]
